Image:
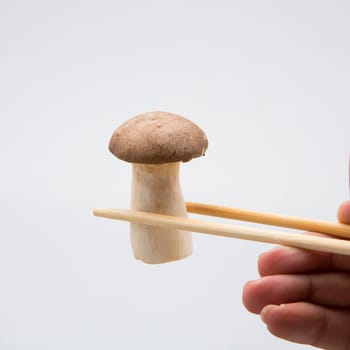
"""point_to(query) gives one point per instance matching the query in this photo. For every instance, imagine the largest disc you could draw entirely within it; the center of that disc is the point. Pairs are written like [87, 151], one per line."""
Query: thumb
[311, 324]
[344, 212]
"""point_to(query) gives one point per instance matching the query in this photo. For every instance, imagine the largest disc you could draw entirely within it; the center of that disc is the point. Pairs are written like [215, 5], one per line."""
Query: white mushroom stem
[156, 188]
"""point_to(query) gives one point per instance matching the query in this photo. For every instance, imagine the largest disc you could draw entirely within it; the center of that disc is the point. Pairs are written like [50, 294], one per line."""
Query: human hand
[304, 296]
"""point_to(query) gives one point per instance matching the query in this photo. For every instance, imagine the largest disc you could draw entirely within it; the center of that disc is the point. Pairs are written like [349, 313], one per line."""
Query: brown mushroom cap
[158, 137]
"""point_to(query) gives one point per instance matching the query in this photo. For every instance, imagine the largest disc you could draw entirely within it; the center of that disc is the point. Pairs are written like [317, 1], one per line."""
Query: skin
[304, 296]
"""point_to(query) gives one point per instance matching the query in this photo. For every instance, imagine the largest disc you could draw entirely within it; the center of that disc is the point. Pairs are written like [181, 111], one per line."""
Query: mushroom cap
[158, 137]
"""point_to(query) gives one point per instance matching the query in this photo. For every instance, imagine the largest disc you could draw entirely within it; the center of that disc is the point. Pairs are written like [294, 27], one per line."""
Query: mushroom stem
[156, 188]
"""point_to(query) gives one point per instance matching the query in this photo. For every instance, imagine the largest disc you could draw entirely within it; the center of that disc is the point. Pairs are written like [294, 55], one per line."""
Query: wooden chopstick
[332, 228]
[324, 244]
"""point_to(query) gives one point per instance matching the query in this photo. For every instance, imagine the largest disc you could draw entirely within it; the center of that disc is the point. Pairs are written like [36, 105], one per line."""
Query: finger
[309, 324]
[329, 289]
[344, 212]
[287, 260]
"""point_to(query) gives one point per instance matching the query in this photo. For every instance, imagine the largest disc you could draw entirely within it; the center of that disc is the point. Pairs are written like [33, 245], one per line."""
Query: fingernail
[250, 282]
[264, 314]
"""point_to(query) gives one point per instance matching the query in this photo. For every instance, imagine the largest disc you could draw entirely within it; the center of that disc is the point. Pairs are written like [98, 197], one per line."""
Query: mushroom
[155, 143]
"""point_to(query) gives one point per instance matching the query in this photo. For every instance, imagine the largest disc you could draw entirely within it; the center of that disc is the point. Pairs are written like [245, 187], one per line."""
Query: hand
[304, 296]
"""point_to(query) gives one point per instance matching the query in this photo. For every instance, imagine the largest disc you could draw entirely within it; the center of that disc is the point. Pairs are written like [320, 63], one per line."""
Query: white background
[268, 81]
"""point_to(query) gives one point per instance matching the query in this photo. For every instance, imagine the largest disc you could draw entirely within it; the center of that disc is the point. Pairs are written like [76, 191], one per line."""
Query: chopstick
[306, 224]
[324, 244]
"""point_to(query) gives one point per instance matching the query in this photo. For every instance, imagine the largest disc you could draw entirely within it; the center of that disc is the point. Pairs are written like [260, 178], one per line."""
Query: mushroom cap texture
[158, 137]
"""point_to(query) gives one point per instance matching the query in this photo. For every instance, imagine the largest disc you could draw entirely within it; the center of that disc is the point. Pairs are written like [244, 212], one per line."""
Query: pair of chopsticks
[305, 241]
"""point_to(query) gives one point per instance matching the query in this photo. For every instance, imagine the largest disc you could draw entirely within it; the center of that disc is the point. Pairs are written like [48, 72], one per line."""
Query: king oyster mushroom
[155, 143]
